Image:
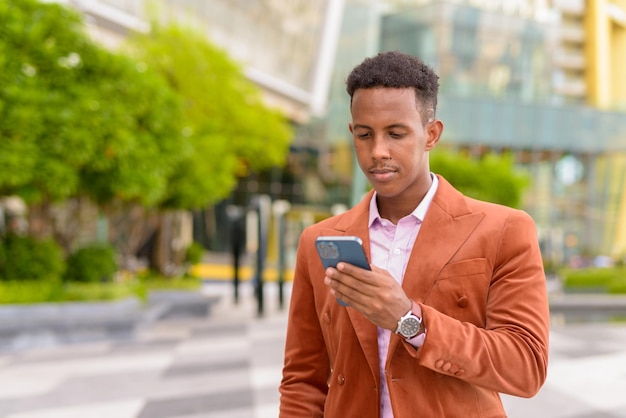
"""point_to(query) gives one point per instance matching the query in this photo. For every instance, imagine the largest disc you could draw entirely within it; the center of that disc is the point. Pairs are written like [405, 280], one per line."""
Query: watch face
[410, 326]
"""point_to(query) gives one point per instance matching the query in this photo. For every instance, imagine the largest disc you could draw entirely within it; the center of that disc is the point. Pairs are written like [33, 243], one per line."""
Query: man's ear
[350, 127]
[434, 129]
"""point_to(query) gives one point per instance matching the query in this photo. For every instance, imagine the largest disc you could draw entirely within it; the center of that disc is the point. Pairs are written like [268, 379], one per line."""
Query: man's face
[392, 143]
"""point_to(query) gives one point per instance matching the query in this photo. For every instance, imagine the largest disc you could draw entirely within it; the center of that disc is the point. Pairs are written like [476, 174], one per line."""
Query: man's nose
[380, 149]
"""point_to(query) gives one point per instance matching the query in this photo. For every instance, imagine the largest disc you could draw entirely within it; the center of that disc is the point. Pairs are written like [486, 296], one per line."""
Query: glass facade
[276, 37]
[497, 74]
[281, 46]
[476, 53]
[512, 124]
[498, 71]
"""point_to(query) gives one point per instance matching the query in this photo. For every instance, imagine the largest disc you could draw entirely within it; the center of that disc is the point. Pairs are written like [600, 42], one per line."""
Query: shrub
[612, 280]
[55, 291]
[618, 285]
[92, 263]
[194, 253]
[26, 258]
[78, 292]
[31, 291]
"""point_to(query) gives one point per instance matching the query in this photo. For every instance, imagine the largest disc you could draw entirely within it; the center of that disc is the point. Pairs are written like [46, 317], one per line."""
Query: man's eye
[396, 135]
[364, 135]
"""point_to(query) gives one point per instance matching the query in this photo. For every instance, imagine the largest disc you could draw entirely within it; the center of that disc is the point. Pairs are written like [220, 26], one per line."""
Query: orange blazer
[477, 273]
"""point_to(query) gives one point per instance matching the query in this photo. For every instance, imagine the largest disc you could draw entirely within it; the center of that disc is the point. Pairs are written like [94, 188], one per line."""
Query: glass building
[501, 75]
[286, 48]
[541, 79]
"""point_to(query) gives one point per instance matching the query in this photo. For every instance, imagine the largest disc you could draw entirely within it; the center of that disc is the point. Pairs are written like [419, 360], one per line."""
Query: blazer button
[438, 364]
[446, 367]
[327, 317]
[341, 380]
[463, 302]
[459, 372]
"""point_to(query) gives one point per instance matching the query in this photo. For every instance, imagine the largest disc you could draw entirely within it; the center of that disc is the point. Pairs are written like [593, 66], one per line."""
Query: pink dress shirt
[390, 248]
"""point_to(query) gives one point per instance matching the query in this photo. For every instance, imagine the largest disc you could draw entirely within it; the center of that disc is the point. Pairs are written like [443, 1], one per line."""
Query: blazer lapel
[448, 223]
[355, 222]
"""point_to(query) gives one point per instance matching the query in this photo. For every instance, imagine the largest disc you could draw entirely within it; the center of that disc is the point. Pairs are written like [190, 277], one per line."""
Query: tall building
[539, 79]
[592, 58]
[286, 48]
[604, 48]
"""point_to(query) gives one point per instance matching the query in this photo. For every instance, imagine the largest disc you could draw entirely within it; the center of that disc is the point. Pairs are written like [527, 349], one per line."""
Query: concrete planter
[49, 324]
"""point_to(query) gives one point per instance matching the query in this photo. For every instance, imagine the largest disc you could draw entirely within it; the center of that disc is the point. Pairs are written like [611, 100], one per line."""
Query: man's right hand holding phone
[374, 293]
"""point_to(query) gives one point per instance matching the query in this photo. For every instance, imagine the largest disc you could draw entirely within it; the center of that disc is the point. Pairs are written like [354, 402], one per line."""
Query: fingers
[354, 285]
[340, 284]
[376, 294]
[352, 271]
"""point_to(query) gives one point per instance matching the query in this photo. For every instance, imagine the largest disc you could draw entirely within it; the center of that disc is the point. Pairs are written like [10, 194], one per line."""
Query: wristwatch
[409, 325]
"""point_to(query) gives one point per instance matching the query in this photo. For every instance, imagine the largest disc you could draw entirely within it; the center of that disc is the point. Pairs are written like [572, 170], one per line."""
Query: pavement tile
[203, 403]
[229, 366]
[188, 369]
[123, 409]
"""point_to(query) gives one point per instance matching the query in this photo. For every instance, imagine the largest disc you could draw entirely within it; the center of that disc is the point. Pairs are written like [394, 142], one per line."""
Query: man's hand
[376, 294]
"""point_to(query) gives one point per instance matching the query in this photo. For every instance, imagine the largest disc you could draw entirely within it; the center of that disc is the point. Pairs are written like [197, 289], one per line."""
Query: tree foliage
[229, 127]
[492, 178]
[76, 119]
[169, 124]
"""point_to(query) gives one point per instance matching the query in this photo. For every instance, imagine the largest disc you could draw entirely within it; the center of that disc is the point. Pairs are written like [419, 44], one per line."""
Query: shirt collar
[419, 212]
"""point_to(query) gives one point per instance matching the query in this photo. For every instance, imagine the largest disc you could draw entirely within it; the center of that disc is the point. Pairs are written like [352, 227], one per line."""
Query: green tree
[170, 128]
[231, 130]
[76, 118]
[492, 178]
[78, 121]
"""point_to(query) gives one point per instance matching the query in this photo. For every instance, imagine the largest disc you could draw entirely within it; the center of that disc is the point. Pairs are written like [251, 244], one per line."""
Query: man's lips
[382, 174]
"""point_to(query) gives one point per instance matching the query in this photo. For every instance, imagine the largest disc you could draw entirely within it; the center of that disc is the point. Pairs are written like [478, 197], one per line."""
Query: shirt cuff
[417, 341]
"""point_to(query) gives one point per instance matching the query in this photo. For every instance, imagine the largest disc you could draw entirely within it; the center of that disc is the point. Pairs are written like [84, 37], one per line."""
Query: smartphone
[333, 249]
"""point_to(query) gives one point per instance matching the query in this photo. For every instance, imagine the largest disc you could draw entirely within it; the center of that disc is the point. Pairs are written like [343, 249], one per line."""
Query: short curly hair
[396, 69]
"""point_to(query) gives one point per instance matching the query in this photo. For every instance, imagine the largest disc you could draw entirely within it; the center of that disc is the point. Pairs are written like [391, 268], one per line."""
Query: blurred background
[536, 88]
[149, 149]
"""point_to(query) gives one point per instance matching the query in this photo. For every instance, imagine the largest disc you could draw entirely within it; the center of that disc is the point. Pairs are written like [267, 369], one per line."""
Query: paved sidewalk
[225, 366]
[229, 366]
[586, 374]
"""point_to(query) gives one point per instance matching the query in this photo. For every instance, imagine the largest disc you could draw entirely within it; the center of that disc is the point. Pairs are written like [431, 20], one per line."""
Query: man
[454, 310]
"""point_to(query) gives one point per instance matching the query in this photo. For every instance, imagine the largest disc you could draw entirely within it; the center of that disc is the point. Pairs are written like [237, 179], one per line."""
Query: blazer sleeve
[306, 369]
[509, 354]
